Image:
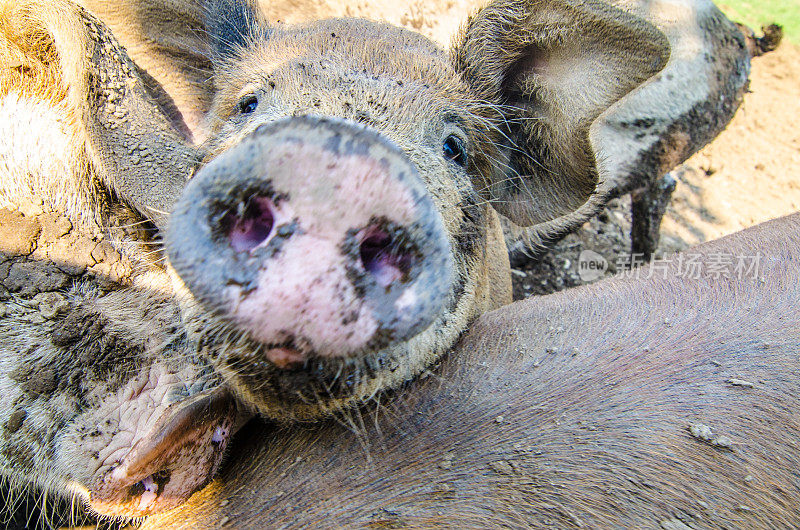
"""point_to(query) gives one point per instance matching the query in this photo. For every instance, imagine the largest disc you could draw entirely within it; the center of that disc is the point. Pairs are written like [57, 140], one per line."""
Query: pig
[325, 238]
[662, 399]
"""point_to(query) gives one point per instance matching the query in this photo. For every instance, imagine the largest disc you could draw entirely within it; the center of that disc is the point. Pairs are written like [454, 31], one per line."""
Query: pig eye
[454, 150]
[248, 104]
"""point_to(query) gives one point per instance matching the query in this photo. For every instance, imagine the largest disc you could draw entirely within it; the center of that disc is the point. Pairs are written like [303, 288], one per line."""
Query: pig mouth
[297, 354]
[294, 380]
[179, 456]
[286, 357]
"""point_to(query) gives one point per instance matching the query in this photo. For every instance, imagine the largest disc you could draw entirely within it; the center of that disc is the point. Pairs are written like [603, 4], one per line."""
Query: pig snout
[177, 457]
[316, 238]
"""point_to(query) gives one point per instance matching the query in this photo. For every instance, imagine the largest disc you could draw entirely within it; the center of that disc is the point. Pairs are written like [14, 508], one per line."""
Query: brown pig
[334, 234]
[665, 399]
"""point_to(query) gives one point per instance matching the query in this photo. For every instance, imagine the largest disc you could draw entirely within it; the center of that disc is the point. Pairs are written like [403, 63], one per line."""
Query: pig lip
[176, 458]
[290, 355]
[286, 358]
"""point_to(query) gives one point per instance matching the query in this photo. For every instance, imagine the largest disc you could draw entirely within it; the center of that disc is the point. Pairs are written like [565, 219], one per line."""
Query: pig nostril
[383, 257]
[252, 225]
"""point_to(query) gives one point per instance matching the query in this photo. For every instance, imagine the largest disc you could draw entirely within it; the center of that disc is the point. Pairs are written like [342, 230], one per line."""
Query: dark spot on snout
[383, 256]
[641, 123]
[353, 145]
[246, 219]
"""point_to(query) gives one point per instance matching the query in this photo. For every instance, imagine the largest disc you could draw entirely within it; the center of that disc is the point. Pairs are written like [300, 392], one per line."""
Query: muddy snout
[316, 238]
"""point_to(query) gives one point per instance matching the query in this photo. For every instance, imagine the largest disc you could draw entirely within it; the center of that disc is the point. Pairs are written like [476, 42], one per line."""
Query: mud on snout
[313, 247]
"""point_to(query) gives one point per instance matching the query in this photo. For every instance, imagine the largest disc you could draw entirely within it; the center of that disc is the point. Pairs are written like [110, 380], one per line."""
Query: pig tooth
[150, 493]
[150, 484]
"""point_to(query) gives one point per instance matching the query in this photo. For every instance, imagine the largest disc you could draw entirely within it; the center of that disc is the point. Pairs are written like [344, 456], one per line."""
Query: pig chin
[284, 387]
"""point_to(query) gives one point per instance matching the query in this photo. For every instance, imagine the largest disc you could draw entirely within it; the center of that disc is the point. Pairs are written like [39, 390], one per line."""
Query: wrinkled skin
[653, 402]
[421, 146]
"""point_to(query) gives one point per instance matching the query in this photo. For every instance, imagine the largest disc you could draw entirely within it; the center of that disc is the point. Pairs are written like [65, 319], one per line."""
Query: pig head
[384, 214]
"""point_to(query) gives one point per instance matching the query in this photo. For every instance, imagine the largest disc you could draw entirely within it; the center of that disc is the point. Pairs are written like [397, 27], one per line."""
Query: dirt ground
[436, 19]
[749, 174]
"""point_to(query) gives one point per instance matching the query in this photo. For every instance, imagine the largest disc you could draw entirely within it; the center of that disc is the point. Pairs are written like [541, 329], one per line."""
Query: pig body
[664, 401]
[338, 230]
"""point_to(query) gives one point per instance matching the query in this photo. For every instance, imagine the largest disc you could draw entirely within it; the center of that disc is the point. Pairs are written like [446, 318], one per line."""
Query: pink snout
[316, 238]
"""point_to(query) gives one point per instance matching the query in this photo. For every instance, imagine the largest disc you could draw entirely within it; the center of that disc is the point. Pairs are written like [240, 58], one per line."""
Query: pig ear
[134, 146]
[230, 24]
[552, 67]
[170, 47]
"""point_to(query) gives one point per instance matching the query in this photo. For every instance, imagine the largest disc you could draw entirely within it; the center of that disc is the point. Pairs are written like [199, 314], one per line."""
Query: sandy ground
[751, 172]
[436, 19]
